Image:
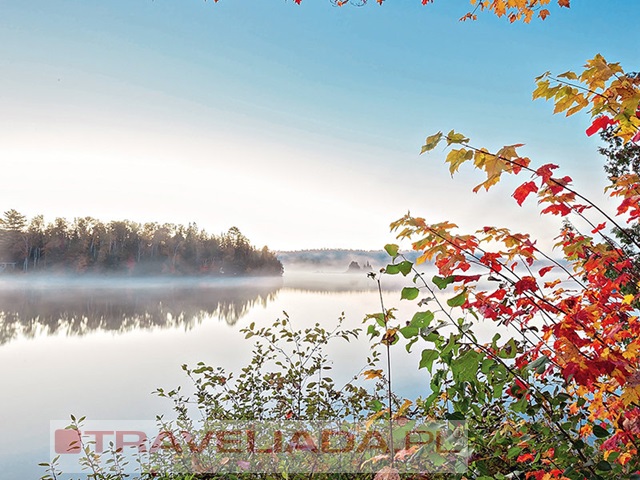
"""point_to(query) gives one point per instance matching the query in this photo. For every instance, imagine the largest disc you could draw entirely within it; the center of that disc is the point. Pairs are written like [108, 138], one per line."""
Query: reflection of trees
[71, 308]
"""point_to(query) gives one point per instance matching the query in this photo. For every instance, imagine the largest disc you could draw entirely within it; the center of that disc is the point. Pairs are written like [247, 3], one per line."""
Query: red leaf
[526, 284]
[544, 270]
[525, 457]
[564, 3]
[466, 278]
[599, 227]
[599, 123]
[545, 171]
[523, 191]
[557, 209]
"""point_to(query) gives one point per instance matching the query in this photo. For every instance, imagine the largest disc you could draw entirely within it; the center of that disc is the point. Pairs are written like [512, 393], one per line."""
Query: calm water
[98, 347]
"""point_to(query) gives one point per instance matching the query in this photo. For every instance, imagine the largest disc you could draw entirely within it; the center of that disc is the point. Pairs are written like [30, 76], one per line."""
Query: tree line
[87, 245]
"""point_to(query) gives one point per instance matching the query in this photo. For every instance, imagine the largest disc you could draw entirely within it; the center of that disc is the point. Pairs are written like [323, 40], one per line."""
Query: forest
[88, 245]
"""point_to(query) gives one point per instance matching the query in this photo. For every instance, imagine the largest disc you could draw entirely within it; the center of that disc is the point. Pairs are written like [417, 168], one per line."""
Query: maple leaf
[523, 191]
[564, 3]
[372, 374]
[543, 14]
[545, 171]
[557, 209]
[544, 270]
[600, 123]
[525, 457]
[466, 278]
[526, 284]
[630, 395]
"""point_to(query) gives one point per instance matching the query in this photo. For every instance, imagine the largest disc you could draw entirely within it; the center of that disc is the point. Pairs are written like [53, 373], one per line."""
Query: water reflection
[39, 306]
[78, 307]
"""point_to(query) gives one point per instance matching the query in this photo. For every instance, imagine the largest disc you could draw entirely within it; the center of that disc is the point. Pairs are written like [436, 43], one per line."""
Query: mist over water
[80, 305]
[100, 345]
[32, 306]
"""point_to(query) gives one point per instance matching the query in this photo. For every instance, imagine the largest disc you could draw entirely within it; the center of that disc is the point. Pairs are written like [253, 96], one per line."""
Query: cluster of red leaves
[589, 328]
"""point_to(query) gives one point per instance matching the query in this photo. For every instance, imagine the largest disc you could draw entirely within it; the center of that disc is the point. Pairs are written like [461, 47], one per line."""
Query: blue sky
[298, 124]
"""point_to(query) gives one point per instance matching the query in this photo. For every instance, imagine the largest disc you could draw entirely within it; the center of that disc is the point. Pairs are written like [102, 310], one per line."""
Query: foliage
[287, 377]
[565, 389]
[513, 10]
[561, 398]
[622, 159]
[89, 245]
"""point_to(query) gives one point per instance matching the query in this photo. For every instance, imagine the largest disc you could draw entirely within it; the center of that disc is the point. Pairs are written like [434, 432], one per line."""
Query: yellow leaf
[371, 374]
[568, 75]
[453, 137]
[374, 417]
[407, 403]
[628, 299]
[630, 395]
[457, 157]
[631, 352]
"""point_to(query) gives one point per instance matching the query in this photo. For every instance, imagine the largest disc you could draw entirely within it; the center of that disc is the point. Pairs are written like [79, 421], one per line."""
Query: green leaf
[539, 362]
[604, 466]
[408, 332]
[442, 282]
[431, 142]
[392, 269]
[513, 451]
[405, 267]
[421, 319]
[509, 350]
[409, 293]
[428, 357]
[410, 344]
[373, 331]
[455, 416]
[378, 317]
[458, 300]
[465, 368]
[391, 249]
[600, 432]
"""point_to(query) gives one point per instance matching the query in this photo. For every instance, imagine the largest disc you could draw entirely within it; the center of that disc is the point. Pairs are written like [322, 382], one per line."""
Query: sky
[299, 124]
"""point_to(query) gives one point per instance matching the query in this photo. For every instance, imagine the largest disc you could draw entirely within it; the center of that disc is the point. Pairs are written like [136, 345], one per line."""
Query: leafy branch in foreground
[567, 383]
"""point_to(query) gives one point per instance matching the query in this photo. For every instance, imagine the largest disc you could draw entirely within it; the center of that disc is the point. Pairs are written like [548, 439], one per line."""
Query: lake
[99, 346]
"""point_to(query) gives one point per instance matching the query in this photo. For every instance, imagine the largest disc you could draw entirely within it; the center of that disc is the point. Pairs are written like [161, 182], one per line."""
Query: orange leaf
[525, 457]
[371, 374]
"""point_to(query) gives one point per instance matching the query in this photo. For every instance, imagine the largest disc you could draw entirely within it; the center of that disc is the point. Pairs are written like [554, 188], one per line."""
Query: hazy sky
[300, 125]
